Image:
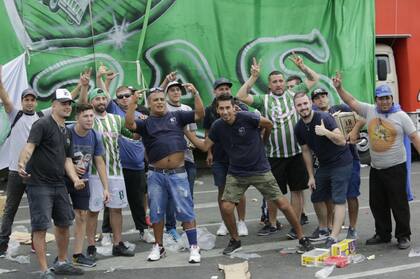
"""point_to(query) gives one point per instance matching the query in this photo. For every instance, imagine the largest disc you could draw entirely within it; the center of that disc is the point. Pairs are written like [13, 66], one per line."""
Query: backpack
[18, 116]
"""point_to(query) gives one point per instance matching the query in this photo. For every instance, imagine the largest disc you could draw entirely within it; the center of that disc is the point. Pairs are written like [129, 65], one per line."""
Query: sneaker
[174, 234]
[82, 260]
[330, 241]
[65, 268]
[157, 253]
[376, 239]
[48, 274]
[91, 252]
[148, 221]
[263, 219]
[305, 245]
[3, 249]
[267, 230]
[292, 234]
[195, 256]
[106, 239]
[233, 246]
[121, 250]
[222, 231]
[148, 236]
[319, 235]
[404, 243]
[352, 233]
[279, 225]
[304, 219]
[242, 229]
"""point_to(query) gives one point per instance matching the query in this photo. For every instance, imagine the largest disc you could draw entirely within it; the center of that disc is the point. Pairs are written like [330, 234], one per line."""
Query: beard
[100, 109]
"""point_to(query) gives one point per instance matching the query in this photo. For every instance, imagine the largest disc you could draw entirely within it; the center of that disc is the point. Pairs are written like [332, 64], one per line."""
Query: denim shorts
[46, 202]
[161, 187]
[332, 184]
[220, 171]
[354, 184]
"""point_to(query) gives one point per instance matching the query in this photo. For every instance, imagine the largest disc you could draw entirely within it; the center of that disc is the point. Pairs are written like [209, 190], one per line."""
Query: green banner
[200, 39]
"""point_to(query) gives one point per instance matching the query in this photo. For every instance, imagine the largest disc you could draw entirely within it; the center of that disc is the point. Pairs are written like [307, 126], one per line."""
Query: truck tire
[363, 148]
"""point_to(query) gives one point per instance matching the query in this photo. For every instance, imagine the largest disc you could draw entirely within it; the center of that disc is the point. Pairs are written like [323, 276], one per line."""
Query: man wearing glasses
[43, 162]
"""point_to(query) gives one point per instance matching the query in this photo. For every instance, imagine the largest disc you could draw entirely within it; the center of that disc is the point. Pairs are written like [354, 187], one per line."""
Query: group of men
[100, 162]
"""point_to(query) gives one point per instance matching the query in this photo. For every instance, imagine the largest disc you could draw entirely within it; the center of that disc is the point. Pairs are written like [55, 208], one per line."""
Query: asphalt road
[389, 262]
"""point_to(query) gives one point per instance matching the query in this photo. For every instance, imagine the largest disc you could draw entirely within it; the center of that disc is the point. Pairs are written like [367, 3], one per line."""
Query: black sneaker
[82, 260]
[267, 230]
[319, 235]
[233, 246]
[404, 243]
[121, 250]
[304, 219]
[292, 234]
[3, 249]
[305, 245]
[91, 252]
[65, 268]
[376, 239]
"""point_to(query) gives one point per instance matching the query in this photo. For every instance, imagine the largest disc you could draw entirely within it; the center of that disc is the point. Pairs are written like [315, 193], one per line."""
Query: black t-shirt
[328, 153]
[53, 145]
[243, 144]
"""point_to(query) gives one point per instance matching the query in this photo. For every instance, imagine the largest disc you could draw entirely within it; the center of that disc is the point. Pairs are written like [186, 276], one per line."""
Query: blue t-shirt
[85, 149]
[328, 153]
[345, 108]
[164, 135]
[131, 151]
[243, 144]
[211, 115]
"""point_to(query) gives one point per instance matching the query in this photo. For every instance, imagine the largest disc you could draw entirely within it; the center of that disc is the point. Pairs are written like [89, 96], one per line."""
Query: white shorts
[117, 193]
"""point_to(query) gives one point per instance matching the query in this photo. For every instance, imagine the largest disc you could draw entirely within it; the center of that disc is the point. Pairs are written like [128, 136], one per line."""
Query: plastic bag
[148, 236]
[325, 272]
[13, 248]
[130, 246]
[104, 250]
[357, 258]
[20, 259]
[21, 228]
[170, 244]
[415, 252]
[206, 240]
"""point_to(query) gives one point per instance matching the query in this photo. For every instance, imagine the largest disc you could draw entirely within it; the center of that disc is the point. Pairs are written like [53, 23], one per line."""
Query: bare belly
[175, 160]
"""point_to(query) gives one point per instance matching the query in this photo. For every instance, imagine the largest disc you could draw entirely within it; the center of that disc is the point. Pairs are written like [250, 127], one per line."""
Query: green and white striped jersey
[110, 126]
[281, 111]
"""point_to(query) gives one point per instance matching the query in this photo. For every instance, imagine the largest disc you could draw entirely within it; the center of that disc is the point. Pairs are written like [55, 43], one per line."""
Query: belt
[168, 171]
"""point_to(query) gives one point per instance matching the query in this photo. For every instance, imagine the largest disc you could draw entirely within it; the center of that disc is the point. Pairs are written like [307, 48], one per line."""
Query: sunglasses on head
[128, 95]
[155, 89]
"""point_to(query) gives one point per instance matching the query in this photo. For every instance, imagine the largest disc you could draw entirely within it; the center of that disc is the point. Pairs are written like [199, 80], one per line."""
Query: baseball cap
[29, 91]
[95, 93]
[173, 83]
[222, 81]
[383, 90]
[317, 92]
[62, 95]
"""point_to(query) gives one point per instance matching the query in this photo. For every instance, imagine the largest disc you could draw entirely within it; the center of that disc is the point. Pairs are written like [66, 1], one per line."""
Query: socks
[192, 236]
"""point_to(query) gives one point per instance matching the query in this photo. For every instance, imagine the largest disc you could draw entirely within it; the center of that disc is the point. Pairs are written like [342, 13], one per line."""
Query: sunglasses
[155, 89]
[128, 95]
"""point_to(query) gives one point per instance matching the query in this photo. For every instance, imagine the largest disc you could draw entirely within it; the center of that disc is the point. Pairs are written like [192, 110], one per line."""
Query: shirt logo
[242, 131]
[172, 120]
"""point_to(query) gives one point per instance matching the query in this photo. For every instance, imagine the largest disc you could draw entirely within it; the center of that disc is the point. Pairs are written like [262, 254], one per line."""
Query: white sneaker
[106, 239]
[195, 256]
[148, 236]
[242, 229]
[157, 253]
[222, 230]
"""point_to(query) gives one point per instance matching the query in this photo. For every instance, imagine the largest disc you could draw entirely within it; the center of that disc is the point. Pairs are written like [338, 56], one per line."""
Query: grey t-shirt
[189, 156]
[386, 135]
[19, 134]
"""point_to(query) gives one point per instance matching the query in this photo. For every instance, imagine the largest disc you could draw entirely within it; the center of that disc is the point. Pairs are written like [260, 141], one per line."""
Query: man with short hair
[322, 102]
[292, 81]
[43, 162]
[283, 152]
[239, 133]
[317, 132]
[217, 158]
[387, 126]
[163, 137]
[87, 148]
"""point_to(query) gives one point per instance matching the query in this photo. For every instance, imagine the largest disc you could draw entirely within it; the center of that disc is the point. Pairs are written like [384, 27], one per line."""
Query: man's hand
[209, 159]
[80, 171]
[337, 81]
[22, 172]
[171, 76]
[106, 196]
[353, 137]
[79, 184]
[311, 183]
[190, 88]
[255, 68]
[320, 130]
[102, 70]
[297, 60]
[85, 77]
[110, 75]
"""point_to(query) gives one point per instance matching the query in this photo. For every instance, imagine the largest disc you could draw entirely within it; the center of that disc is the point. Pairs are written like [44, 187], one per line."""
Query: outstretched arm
[198, 104]
[344, 95]
[311, 76]
[243, 93]
[4, 97]
[130, 122]
[169, 77]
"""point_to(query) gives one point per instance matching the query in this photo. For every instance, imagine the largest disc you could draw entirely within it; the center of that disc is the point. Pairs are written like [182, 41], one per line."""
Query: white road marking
[377, 271]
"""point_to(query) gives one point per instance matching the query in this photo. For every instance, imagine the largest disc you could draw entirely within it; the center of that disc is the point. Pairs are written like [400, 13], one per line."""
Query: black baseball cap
[317, 92]
[29, 91]
[222, 81]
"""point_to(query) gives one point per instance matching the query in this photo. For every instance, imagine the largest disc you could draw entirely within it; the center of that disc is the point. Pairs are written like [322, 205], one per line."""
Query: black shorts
[46, 202]
[79, 198]
[290, 171]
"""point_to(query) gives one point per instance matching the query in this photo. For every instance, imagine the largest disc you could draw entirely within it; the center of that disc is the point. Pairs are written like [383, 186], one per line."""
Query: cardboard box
[2, 204]
[344, 248]
[345, 121]
[314, 257]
